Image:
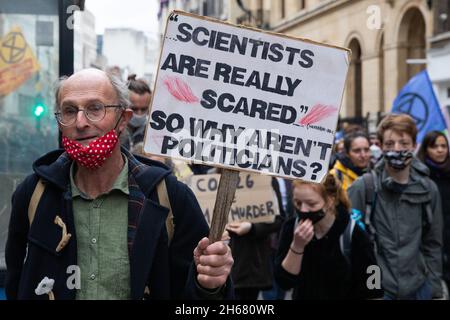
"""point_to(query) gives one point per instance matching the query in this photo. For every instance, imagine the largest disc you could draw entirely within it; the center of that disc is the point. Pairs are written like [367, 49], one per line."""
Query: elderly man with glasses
[96, 229]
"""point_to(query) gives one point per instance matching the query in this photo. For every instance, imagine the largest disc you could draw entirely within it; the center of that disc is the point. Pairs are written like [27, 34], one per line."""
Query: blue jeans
[276, 293]
[423, 293]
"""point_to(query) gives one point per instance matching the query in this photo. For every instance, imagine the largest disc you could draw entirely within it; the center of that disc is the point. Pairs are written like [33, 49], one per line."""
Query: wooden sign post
[225, 194]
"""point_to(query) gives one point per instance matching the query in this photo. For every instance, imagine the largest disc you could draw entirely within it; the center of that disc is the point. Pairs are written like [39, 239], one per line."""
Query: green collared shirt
[101, 228]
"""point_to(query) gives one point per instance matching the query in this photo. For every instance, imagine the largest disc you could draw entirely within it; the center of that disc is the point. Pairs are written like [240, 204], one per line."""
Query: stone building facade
[388, 40]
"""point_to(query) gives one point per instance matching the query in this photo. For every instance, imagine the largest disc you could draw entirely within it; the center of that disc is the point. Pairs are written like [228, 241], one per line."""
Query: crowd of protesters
[383, 205]
[329, 240]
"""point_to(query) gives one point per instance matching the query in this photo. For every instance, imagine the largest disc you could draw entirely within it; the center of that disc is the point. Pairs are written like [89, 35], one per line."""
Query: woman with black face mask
[434, 152]
[323, 254]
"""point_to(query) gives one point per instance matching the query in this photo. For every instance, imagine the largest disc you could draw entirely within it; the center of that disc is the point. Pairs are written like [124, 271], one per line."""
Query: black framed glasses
[93, 112]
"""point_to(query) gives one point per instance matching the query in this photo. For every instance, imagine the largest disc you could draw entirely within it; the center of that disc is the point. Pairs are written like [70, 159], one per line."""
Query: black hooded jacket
[167, 270]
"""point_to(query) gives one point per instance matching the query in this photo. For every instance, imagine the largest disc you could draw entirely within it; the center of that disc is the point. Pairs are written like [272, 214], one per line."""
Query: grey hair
[118, 85]
[121, 90]
[58, 85]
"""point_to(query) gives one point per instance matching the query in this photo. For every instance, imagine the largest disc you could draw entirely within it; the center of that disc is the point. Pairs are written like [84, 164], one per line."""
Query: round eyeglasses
[94, 112]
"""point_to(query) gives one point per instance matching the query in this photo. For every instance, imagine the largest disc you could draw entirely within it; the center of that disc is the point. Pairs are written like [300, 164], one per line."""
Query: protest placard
[245, 99]
[254, 201]
[17, 61]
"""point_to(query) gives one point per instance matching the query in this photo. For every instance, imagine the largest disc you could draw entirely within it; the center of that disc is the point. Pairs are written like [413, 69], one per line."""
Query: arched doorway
[354, 82]
[412, 45]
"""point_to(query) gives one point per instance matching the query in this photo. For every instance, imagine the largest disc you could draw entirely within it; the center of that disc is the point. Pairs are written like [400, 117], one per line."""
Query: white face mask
[137, 121]
[376, 152]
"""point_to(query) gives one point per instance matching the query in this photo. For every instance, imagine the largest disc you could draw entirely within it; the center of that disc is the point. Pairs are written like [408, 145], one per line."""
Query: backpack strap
[34, 201]
[163, 198]
[369, 179]
[345, 240]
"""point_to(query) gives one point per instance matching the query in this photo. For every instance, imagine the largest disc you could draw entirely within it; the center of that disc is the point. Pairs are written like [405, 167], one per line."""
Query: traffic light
[38, 110]
[39, 106]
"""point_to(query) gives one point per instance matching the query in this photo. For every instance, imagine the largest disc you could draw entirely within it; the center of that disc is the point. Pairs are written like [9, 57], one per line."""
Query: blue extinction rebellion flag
[417, 99]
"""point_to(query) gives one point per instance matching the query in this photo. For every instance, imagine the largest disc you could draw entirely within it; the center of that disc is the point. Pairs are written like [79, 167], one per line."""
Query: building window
[220, 10]
[205, 8]
[211, 8]
[354, 83]
[302, 4]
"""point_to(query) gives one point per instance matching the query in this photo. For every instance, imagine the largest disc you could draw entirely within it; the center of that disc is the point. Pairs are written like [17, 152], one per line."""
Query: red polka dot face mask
[93, 155]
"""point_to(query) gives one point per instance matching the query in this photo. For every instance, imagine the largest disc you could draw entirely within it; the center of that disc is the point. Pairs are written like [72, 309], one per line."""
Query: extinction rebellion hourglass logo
[13, 48]
[416, 106]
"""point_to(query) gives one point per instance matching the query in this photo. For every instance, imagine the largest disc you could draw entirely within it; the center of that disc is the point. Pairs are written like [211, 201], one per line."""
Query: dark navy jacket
[168, 271]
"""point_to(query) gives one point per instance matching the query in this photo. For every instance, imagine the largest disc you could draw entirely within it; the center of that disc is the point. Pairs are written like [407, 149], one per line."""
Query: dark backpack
[345, 240]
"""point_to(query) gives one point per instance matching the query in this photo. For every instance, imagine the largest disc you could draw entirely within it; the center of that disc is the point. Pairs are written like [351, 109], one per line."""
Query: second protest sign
[254, 201]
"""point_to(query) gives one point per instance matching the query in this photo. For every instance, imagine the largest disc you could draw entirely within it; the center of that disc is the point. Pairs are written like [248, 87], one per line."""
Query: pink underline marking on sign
[179, 89]
[317, 113]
